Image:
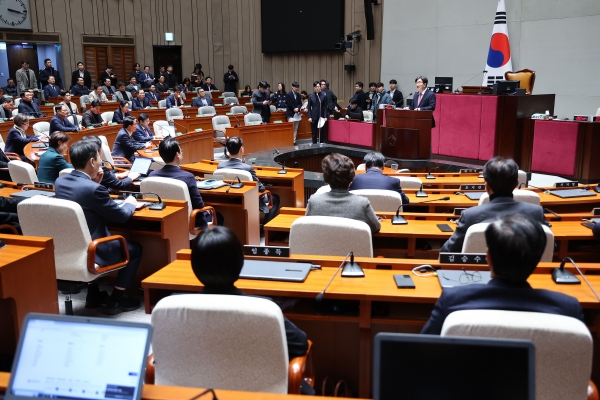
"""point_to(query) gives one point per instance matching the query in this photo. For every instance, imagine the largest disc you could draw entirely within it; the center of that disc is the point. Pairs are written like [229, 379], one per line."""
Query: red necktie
[420, 97]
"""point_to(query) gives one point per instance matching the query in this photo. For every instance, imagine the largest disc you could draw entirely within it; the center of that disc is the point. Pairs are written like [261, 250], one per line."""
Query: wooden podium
[404, 134]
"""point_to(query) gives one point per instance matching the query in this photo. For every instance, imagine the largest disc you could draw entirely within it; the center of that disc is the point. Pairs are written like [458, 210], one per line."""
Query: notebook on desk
[474, 195]
[275, 270]
[571, 193]
[30, 193]
[60, 356]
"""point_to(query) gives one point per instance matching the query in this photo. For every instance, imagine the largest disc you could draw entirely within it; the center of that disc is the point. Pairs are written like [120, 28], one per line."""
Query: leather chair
[381, 200]
[525, 76]
[228, 94]
[409, 182]
[475, 241]
[232, 174]
[173, 189]
[22, 172]
[115, 161]
[162, 104]
[83, 100]
[225, 342]
[330, 236]
[65, 171]
[163, 128]
[220, 124]
[41, 128]
[107, 116]
[230, 100]
[519, 195]
[252, 119]
[173, 113]
[323, 189]
[239, 110]
[207, 111]
[563, 346]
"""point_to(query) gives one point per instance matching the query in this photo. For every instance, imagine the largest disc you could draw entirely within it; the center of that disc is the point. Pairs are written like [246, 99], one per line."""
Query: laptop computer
[275, 270]
[355, 116]
[416, 367]
[571, 193]
[67, 357]
[30, 193]
[142, 166]
[474, 195]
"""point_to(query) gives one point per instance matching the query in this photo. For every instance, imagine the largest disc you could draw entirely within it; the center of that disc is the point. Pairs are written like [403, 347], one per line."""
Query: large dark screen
[307, 25]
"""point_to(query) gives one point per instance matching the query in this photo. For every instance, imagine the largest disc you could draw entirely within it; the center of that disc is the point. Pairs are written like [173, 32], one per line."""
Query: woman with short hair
[53, 161]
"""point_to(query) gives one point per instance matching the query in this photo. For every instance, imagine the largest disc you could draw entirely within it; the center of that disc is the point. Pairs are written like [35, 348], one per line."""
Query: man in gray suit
[338, 172]
[501, 178]
[25, 78]
[108, 89]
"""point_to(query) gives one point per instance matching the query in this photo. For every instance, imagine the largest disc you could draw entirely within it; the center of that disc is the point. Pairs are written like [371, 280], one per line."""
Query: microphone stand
[479, 73]
[352, 269]
[421, 193]
[406, 97]
[180, 125]
[156, 206]
[282, 171]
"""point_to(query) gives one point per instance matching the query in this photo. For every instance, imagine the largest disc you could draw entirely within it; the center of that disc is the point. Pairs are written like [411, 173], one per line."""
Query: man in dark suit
[501, 178]
[423, 99]
[60, 122]
[317, 108]
[80, 89]
[374, 178]
[175, 100]
[6, 109]
[172, 155]
[153, 94]
[92, 116]
[143, 133]
[354, 111]
[231, 79]
[202, 100]
[360, 96]
[146, 78]
[395, 94]
[235, 148]
[141, 102]
[110, 179]
[29, 107]
[208, 85]
[108, 89]
[331, 98]
[515, 246]
[82, 187]
[124, 145]
[51, 89]
[170, 77]
[293, 102]
[47, 72]
[260, 102]
[108, 74]
[80, 72]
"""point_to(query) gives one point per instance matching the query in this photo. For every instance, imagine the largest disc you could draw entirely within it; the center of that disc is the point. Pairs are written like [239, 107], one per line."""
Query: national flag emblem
[498, 60]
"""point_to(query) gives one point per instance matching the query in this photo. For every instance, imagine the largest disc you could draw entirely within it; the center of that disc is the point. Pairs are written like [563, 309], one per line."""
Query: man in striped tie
[423, 100]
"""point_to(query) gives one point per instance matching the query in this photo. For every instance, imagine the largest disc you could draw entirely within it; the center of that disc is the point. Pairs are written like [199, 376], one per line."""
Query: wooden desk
[342, 343]
[153, 392]
[194, 146]
[289, 187]
[441, 181]
[8, 125]
[265, 136]
[27, 284]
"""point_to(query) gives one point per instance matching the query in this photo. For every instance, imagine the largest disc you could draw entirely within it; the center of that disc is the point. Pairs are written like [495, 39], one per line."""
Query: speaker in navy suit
[515, 246]
[317, 108]
[374, 178]
[82, 187]
[141, 102]
[51, 89]
[124, 145]
[423, 99]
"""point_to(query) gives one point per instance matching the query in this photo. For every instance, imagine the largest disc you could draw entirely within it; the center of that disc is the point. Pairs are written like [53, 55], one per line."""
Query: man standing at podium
[423, 99]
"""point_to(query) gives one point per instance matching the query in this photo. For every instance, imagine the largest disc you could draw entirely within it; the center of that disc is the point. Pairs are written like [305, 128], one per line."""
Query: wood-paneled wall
[215, 33]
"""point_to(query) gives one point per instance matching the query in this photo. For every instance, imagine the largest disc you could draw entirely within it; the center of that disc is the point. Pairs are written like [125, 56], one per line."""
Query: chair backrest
[519, 195]
[168, 188]
[228, 94]
[16, 102]
[231, 174]
[230, 100]
[174, 113]
[72, 120]
[65, 171]
[272, 108]
[207, 110]
[65, 223]
[103, 139]
[106, 154]
[381, 200]
[221, 122]
[475, 241]
[361, 167]
[2, 144]
[526, 77]
[41, 128]
[409, 182]
[83, 100]
[15, 112]
[107, 116]
[330, 236]
[252, 118]
[238, 110]
[162, 104]
[220, 341]
[563, 346]
[522, 177]
[163, 128]
[22, 172]
[323, 189]
[368, 115]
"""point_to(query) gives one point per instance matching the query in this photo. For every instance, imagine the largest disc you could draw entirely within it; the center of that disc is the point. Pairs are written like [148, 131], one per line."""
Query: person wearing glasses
[202, 100]
[515, 247]
[17, 137]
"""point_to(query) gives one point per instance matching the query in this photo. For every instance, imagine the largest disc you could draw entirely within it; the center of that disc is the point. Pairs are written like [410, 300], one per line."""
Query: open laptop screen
[79, 358]
[141, 165]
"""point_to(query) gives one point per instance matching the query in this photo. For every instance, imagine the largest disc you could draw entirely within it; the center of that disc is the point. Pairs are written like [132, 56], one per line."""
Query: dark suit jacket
[50, 91]
[500, 294]
[297, 342]
[50, 164]
[111, 182]
[142, 80]
[47, 73]
[397, 98]
[15, 143]
[174, 172]
[375, 179]
[87, 78]
[317, 108]
[155, 96]
[259, 107]
[208, 87]
[32, 109]
[137, 104]
[292, 103]
[77, 90]
[362, 97]
[330, 103]
[4, 160]
[91, 119]
[63, 125]
[198, 102]
[118, 116]
[103, 76]
[170, 80]
[125, 146]
[142, 135]
[427, 103]
[8, 211]
[231, 84]
[98, 208]
[172, 102]
[497, 207]
[236, 163]
[4, 113]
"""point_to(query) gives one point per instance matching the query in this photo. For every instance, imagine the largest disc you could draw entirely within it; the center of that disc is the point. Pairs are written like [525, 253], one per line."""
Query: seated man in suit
[28, 107]
[175, 100]
[202, 100]
[153, 94]
[143, 133]
[235, 147]
[8, 106]
[133, 86]
[171, 154]
[60, 122]
[208, 85]
[374, 178]
[82, 187]
[108, 88]
[92, 116]
[51, 90]
[338, 172]
[10, 89]
[423, 99]
[501, 178]
[162, 86]
[122, 94]
[98, 93]
[111, 180]
[124, 145]
[79, 89]
[354, 111]
[515, 246]
[108, 74]
[141, 102]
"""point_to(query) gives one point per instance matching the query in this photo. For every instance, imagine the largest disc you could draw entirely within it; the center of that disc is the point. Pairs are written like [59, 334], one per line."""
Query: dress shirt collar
[83, 174]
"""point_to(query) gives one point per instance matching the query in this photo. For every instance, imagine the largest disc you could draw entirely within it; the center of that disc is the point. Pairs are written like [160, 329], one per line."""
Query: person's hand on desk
[148, 145]
[132, 175]
[131, 200]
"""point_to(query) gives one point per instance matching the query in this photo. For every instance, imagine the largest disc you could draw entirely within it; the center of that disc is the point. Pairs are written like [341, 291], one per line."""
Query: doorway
[17, 53]
[168, 55]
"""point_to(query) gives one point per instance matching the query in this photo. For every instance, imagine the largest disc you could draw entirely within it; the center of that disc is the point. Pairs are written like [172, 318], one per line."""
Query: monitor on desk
[417, 367]
[506, 87]
[443, 84]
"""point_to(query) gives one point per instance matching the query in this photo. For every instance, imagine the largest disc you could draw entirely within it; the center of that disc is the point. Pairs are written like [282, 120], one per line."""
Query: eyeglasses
[465, 277]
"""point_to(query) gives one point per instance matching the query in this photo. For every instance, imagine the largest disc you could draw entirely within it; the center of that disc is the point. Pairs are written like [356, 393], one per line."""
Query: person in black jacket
[231, 79]
[374, 178]
[110, 179]
[80, 72]
[47, 72]
[317, 108]
[261, 103]
[397, 98]
[293, 102]
[360, 96]
[8, 211]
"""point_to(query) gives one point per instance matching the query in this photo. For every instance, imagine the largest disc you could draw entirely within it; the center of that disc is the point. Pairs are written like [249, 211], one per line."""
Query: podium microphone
[479, 73]
[405, 97]
[561, 275]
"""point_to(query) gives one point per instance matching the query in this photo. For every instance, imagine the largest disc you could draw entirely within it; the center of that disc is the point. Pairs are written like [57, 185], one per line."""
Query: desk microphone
[156, 206]
[558, 217]
[421, 193]
[185, 111]
[429, 175]
[427, 201]
[237, 185]
[239, 124]
[560, 273]
[479, 73]
[276, 151]
[320, 296]
[282, 171]
[180, 125]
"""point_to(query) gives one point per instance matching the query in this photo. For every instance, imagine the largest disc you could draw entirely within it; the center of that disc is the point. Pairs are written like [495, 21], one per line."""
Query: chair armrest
[12, 230]
[107, 268]
[592, 391]
[301, 369]
[12, 156]
[269, 197]
[194, 214]
[150, 370]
